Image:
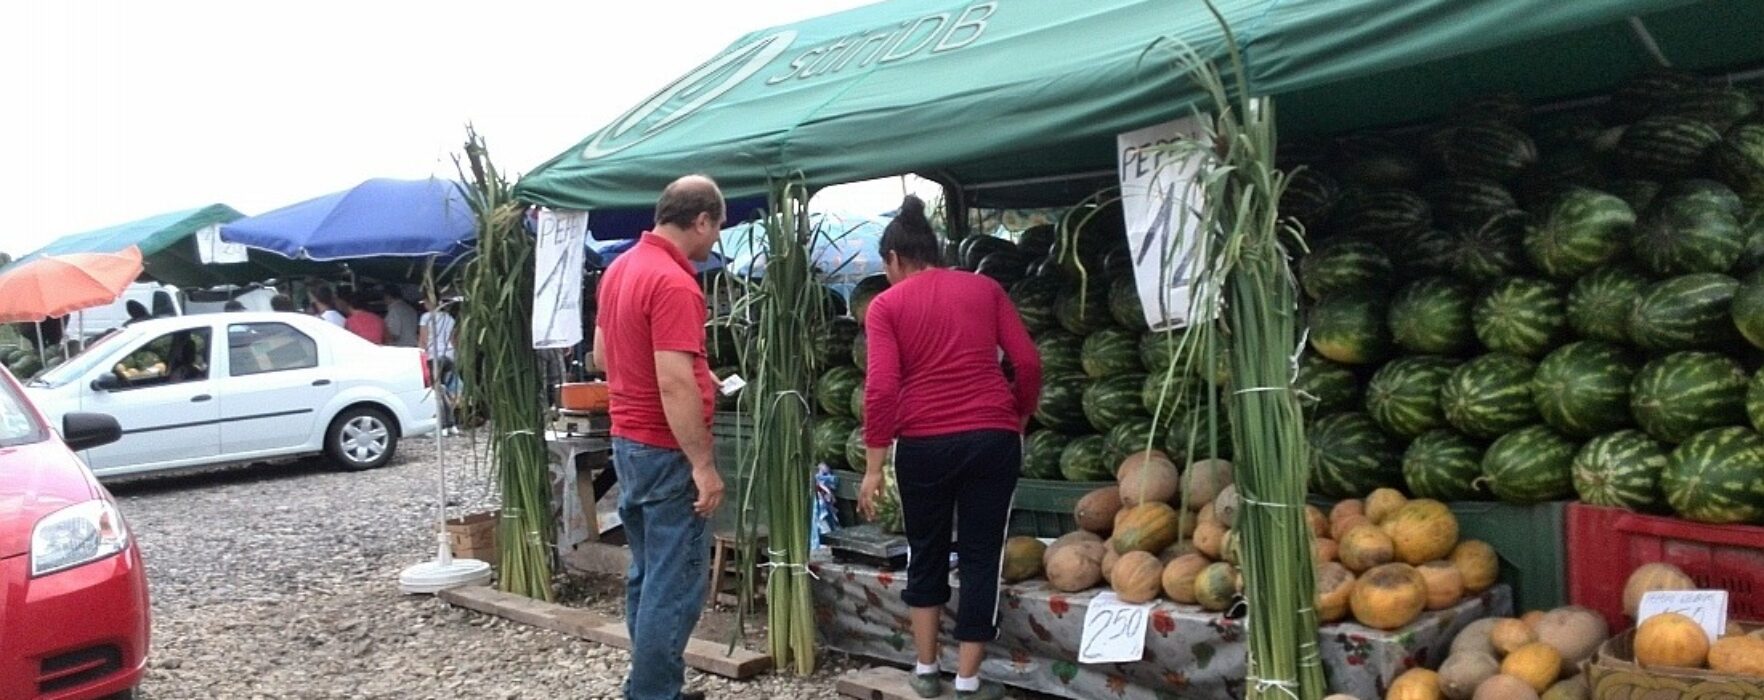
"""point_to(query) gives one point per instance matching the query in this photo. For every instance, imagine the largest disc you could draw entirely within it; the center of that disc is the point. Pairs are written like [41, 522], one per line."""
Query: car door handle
[199, 398]
[321, 382]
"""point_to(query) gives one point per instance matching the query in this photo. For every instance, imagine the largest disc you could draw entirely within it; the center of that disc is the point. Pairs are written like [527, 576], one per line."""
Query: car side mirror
[84, 431]
[107, 382]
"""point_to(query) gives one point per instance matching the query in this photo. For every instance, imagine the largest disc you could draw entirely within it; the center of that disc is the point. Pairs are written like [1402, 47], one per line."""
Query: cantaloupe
[1575, 633]
[1335, 586]
[1319, 522]
[1445, 586]
[1022, 559]
[1178, 549]
[1478, 563]
[1137, 457]
[1147, 478]
[1137, 577]
[1383, 502]
[1067, 539]
[1339, 529]
[1510, 633]
[1504, 687]
[1203, 481]
[1110, 557]
[1671, 639]
[1341, 509]
[1474, 637]
[1740, 656]
[1096, 511]
[1215, 585]
[1365, 547]
[1207, 514]
[1147, 527]
[1414, 684]
[1421, 531]
[1179, 576]
[1463, 671]
[1531, 618]
[1075, 567]
[1388, 596]
[1648, 578]
[1536, 663]
[1227, 505]
[1324, 551]
[1209, 538]
[1569, 689]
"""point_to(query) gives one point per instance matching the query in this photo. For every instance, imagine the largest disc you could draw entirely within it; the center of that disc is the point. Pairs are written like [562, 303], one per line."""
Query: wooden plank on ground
[701, 654]
[882, 683]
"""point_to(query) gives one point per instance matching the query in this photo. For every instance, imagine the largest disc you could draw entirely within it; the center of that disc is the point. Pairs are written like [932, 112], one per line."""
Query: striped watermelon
[1444, 465]
[1124, 304]
[1600, 301]
[1109, 352]
[1309, 197]
[1061, 352]
[1687, 312]
[1403, 396]
[1035, 298]
[1006, 267]
[860, 351]
[1675, 396]
[1755, 400]
[1531, 465]
[829, 438]
[1522, 316]
[1689, 233]
[1130, 437]
[1374, 161]
[1062, 403]
[1665, 146]
[1041, 454]
[1154, 396]
[1640, 95]
[1753, 228]
[1638, 194]
[1425, 252]
[976, 247]
[1326, 387]
[1585, 229]
[1582, 389]
[1113, 400]
[1492, 150]
[1748, 309]
[1384, 214]
[1432, 316]
[1490, 395]
[1343, 265]
[1350, 329]
[1739, 159]
[1620, 470]
[1157, 349]
[1718, 106]
[833, 389]
[857, 401]
[1469, 201]
[1717, 476]
[855, 452]
[1491, 251]
[832, 345]
[1702, 192]
[1038, 240]
[1082, 460]
[1199, 431]
[1350, 456]
[1085, 309]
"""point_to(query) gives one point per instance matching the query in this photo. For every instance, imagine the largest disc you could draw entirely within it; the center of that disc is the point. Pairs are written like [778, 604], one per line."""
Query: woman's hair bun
[912, 206]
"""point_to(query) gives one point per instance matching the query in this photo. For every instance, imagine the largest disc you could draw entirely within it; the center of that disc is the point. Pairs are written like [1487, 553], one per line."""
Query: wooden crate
[474, 536]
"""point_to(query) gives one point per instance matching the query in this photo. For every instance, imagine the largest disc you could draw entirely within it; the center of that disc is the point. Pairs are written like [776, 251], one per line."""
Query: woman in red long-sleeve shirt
[935, 392]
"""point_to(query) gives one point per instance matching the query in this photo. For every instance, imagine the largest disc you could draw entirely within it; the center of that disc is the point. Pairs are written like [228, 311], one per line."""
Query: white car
[287, 385]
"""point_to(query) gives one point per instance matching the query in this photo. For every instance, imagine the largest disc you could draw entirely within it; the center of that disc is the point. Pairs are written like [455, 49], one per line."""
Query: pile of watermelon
[1534, 307]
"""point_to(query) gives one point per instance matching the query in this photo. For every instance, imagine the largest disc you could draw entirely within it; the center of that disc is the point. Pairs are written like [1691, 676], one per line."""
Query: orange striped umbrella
[54, 285]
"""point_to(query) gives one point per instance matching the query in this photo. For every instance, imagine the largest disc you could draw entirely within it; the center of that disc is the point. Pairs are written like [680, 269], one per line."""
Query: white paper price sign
[1708, 608]
[1114, 632]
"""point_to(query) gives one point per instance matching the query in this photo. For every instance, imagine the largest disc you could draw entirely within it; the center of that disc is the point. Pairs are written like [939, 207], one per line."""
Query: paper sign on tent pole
[1156, 199]
[211, 250]
[557, 288]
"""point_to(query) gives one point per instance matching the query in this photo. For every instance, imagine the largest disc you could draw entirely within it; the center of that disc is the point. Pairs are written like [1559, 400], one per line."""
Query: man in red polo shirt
[650, 340]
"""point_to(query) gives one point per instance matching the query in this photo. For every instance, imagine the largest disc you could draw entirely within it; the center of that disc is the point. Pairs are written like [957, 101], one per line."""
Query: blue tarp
[378, 218]
[845, 248]
[603, 253]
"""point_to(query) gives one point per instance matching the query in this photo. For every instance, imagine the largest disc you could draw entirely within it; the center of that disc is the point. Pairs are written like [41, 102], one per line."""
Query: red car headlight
[75, 535]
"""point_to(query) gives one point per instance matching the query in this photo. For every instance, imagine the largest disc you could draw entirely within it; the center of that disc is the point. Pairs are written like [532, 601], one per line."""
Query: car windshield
[18, 423]
[79, 365]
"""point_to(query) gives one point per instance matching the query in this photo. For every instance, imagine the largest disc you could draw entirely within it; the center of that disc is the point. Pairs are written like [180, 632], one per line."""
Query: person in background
[324, 305]
[359, 320]
[650, 341]
[435, 335]
[934, 392]
[137, 312]
[401, 320]
[281, 303]
[233, 305]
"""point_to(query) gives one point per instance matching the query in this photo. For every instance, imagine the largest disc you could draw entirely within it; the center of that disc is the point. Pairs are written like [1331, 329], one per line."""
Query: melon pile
[1386, 560]
[1538, 655]
[1673, 640]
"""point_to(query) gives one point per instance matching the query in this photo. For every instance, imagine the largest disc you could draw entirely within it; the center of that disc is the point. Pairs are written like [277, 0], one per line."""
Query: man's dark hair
[685, 199]
[136, 310]
[910, 236]
[281, 302]
[324, 295]
[233, 305]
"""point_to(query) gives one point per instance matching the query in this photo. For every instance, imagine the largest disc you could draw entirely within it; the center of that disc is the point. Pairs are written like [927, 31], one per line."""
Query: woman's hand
[869, 492]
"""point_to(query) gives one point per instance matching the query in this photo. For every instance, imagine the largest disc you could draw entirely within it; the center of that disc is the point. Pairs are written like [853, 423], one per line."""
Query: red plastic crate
[1606, 544]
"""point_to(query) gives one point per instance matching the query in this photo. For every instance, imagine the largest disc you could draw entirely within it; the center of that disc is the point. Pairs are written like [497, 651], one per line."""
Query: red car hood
[36, 480]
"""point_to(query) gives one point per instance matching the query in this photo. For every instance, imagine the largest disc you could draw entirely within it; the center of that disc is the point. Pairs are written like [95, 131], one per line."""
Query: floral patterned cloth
[1189, 653]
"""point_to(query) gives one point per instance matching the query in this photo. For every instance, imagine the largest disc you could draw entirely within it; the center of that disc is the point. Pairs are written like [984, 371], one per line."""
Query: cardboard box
[1613, 674]
[474, 536]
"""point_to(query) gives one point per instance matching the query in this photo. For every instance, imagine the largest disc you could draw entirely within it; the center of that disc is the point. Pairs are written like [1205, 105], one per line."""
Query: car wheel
[361, 438]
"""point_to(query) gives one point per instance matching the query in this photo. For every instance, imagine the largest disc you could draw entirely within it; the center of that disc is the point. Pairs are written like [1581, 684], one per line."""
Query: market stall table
[576, 493]
[1189, 652]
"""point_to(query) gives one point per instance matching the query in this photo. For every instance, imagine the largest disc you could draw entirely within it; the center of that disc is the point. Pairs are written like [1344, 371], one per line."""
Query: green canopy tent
[169, 250]
[1009, 101]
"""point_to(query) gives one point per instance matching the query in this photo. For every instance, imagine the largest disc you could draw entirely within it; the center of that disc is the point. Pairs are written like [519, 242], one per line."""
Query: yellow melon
[1324, 551]
[1335, 585]
[1365, 547]
[1340, 528]
[1389, 596]
[1342, 509]
[1176, 550]
[1382, 502]
[1532, 618]
[1147, 478]
[1137, 577]
[1671, 639]
[1414, 684]
[1504, 687]
[1178, 577]
[1022, 559]
[1110, 557]
[1510, 633]
[1203, 480]
[1740, 656]
[1536, 663]
[1209, 538]
[1096, 511]
[1207, 514]
[1653, 577]
[1147, 527]
[1478, 563]
[1463, 671]
[1421, 530]
[1215, 586]
[1318, 522]
[1445, 586]
[1065, 540]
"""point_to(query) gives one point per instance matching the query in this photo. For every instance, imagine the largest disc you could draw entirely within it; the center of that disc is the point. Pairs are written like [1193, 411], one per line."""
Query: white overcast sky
[118, 110]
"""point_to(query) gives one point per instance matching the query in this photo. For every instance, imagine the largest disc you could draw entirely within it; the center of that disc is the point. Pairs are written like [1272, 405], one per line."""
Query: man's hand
[710, 490]
[869, 492]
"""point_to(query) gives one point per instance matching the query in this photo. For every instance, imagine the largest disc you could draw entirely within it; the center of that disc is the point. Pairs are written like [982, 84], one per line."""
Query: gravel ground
[280, 581]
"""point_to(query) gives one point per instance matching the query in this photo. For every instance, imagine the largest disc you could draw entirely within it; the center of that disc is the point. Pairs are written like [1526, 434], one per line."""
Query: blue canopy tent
[375, 219]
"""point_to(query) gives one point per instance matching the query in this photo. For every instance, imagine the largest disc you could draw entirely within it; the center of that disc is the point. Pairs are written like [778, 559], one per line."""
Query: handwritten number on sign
[1108, 627]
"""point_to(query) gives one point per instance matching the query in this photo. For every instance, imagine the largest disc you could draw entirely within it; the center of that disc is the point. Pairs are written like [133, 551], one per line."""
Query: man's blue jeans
[665, 588]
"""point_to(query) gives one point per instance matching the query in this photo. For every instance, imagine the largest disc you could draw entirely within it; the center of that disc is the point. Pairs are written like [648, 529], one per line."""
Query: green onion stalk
[1246, 282]
[501, 372]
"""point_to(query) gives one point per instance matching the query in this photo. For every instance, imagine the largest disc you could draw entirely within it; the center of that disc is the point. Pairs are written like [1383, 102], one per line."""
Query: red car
[73, 592]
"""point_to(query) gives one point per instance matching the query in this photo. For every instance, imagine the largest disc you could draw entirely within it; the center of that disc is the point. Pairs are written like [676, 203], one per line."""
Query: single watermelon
[1374, 161]
[832, 346]
[1718, 106]
[1062, 403]
[1041, 454]
[1112, 400]
[830, 435]
[1469, 201]
[1717, 476]
[975, 248]
[1350, 456]
[1006, 267]
[1531, 465]
[1665, 146]
[1432, 316]
[1038, 240]
[1326, 387]
[1703, 192]
[860, 356]
[1620, 470]
[1110, 352]
[833, 390]
[1585, 229]
[1492, 150]
[1753, 229]
[1444, 465]
[1755, 400]
[1491, 251]
[1061, 352]
[1383, 215]
[1425, 253]
[1675, 396]
[1739, 159]
[1638, 194]
[1403, 396]
[1522, 316]
[1309, 197]
[1162, 400]
[1130, 437]
[1582, 389]
[1035, 299]
[1748, 309]
[1599, 303]
[1490, 395]
[1344, 265]
[863, 292]
[1199, 431]
[1640, 95]
[1350, 329]
[1085, 309]
[857, 401]
[1685, 312]
[1082, 460]
[1689, 233]
[855, 453]
[1157, 349]
[1124, 304]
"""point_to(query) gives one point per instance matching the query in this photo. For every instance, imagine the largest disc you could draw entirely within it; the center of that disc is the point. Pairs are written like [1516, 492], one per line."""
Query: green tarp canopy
[169, 253]
[980, 93]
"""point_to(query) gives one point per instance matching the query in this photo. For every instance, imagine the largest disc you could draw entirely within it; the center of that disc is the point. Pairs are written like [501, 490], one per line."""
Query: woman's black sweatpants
[962, 481]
